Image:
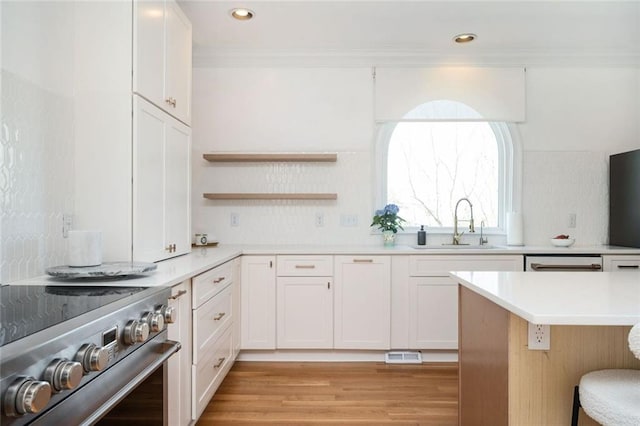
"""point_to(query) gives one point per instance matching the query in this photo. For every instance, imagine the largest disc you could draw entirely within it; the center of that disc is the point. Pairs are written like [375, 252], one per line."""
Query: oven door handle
[169, 347]
[543, 267]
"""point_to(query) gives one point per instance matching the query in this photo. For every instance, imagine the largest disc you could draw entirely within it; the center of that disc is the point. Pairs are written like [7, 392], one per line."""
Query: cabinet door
[304, 313]
[178, 62]
[258, 307]
[179, 365]
[236, 333]
[178, 186]
[362, 310]
[148, 182]
[149, 50]
[433, 309]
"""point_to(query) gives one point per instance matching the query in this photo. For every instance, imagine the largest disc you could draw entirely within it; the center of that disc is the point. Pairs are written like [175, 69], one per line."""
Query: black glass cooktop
[27, 309]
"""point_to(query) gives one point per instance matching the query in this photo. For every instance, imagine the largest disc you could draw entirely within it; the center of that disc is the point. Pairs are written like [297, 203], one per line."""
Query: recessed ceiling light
[242, 14]
[464, 38]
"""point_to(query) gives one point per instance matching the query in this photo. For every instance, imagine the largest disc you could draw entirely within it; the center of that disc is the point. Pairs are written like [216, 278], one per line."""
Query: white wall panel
[581, 109]
[271, 109]
[498, 94]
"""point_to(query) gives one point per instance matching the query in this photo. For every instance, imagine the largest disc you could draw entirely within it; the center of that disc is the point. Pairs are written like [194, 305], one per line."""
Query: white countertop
[169, 273]
[561, 298]
[175, 270]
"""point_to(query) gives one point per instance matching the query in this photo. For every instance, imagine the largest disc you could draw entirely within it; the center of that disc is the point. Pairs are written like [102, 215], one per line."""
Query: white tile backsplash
[559, 183]
[36, 177]
[285, 221]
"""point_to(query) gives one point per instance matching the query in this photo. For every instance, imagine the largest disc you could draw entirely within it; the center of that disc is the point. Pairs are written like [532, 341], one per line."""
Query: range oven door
[95, 399]
[574, 263]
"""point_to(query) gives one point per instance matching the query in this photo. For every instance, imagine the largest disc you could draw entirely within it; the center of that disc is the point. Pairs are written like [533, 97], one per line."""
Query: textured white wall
[36, 141]
[576, 117]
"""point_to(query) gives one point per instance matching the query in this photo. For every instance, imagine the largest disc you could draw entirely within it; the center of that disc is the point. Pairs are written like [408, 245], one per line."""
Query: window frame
[509, 173]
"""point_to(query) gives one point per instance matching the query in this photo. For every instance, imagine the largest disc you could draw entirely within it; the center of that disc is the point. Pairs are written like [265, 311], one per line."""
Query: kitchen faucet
[456, 236]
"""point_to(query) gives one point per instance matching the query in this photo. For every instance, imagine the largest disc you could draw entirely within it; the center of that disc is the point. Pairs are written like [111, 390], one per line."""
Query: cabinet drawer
[616, 262]
[209, 283]
[209, 321]
[625, 265]
[304, 266]
[440, 265]
[210, 371]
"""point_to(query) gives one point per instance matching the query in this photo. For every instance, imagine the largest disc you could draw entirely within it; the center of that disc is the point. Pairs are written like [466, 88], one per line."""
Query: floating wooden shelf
[270, 196]
[270, 157]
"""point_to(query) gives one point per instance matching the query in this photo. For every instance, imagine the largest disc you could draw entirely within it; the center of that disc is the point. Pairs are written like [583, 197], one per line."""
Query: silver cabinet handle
[305, 266]
[178, 295]
[543, 267]
[219, 316]
[362, 260]
[220, 362]
[628, 266]
[218, 280]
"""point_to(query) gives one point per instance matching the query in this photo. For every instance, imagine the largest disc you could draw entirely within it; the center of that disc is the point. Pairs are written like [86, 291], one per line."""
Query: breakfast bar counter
[502, 381]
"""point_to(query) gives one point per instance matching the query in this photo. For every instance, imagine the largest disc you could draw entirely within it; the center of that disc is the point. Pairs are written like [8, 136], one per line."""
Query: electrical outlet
[539, 337]
[319, 220]
[349, 220]
[67, 224]
[572, 220]
[234, 219]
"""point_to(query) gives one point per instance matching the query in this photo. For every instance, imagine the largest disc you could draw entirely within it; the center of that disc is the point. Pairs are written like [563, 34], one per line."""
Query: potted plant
[388, 222]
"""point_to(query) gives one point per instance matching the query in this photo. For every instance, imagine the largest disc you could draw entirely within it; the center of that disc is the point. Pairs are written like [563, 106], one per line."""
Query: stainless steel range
[69, 354]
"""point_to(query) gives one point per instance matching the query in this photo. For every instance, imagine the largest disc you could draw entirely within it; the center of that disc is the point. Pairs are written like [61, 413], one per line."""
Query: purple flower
[379, 212]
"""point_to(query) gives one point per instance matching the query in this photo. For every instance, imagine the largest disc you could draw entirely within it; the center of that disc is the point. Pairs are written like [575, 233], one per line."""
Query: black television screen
[624, 199]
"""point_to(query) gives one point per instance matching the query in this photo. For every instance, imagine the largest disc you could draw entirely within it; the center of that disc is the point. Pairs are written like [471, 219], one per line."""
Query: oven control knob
[92, 357]
[136, 332]
[63, 374]
[168, 312]
[26, 395]
[155, 321]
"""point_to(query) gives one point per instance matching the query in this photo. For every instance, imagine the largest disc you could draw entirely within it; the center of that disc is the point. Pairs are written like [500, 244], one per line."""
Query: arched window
[429, 162]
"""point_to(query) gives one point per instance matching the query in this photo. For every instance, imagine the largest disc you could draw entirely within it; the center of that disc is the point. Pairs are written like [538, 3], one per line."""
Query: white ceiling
[378, 32]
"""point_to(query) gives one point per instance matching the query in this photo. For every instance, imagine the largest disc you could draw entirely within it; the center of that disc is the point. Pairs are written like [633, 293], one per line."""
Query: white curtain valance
[497, 94]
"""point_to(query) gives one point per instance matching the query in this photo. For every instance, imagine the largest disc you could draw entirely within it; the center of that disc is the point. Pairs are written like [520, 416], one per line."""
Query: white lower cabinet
[178, 396]
[213, 319]
[304, 313]
[258, 302]
[432, 302]
[622, 262]
[362, 302]
[433, 310]
[304, 308]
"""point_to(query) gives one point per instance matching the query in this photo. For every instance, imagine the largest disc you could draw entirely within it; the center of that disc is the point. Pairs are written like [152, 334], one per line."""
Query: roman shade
[496, 94]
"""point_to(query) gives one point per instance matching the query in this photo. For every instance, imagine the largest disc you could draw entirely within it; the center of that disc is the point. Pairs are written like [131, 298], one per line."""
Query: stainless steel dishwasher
[563, 262]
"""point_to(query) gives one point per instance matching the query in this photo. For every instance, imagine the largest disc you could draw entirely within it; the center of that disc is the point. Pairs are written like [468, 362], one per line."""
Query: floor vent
[403, 358]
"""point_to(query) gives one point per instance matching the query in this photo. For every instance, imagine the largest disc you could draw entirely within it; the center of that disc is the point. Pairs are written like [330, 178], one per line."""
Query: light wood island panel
[502, 382]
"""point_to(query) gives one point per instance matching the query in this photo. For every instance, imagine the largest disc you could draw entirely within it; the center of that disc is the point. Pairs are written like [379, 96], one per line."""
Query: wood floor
[256, 393]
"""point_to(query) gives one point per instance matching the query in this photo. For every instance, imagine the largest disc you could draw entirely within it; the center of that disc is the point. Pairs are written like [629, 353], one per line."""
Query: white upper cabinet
[161, 189]
[162, 56]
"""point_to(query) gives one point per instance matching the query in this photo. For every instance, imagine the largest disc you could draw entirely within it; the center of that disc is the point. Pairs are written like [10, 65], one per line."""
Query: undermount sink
[456, 246]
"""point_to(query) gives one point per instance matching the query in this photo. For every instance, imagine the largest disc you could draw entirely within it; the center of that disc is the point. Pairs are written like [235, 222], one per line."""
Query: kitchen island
[502, 381]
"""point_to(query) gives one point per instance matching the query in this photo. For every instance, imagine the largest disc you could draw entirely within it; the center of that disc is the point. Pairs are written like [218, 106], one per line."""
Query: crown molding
[208, 58]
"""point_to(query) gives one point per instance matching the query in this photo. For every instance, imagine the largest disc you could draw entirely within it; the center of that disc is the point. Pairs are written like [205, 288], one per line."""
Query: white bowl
[562, 242]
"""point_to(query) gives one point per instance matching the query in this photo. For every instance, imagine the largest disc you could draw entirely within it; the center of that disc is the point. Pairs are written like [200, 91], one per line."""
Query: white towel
[634, 340]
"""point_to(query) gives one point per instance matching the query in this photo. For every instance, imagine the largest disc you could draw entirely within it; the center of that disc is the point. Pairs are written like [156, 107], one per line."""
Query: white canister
[85, 248]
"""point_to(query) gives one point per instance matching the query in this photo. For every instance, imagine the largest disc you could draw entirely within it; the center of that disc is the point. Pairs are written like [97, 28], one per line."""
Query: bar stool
[611, 397]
